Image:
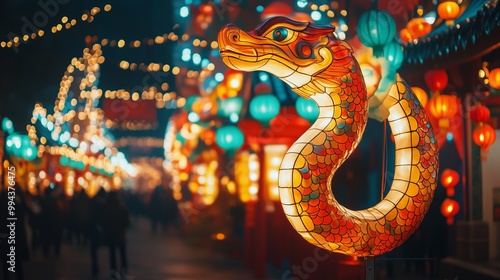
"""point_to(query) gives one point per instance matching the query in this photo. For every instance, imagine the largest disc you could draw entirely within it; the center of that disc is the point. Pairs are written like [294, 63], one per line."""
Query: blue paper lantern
[376, 29]
[307, 109]
[229, 137]
[393, 52]
[264, 108]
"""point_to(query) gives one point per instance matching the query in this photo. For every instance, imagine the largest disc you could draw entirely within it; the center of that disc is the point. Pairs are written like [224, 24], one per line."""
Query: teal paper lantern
[29, 152]
[376, 29]
[307, 108]
[393, 52]
[20, 146]
[231, 107]
[229, 138]
[264, 108]
[7, 125]
[13, 143]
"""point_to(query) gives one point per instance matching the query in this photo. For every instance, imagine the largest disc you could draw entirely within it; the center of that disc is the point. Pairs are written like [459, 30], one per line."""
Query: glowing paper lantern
[405, 35]
[418, 27]
[229, 138]
[449, 179]
[436, 80]
[29, 152]
[449, 208]
[394, 54]
[421, 95]
[231, 107]
[484, 135]
[449, 11]
[443, 107]
[247, 175]
[264, 107]
[479, 113]
[494, 78]
[307, 108]
[376, 29]
[7, 125]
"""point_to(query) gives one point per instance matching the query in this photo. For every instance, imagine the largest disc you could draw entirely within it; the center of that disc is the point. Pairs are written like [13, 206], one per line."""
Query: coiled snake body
[316, 65]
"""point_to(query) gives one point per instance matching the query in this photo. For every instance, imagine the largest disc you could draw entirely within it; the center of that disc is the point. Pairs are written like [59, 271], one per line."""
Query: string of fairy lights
[65, 24]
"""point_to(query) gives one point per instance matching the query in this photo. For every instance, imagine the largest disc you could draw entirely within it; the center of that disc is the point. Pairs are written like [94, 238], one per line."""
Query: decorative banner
[317, 65]
[123, 111]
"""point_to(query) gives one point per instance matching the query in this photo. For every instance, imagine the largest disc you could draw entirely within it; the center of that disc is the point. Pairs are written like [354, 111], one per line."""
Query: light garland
[168, 100]
[79, 131]
[140, 142]
[66, 23]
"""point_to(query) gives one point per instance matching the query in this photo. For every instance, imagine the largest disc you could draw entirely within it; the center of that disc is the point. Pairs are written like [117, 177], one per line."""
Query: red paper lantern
[449, 179]
[436, 79]
[479, 113]
[484, 135]
[449, 208]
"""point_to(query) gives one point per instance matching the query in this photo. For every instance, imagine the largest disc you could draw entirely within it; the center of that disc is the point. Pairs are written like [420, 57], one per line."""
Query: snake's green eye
[280, 34]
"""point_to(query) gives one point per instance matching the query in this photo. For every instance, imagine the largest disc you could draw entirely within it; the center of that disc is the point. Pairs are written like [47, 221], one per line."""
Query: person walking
[116, 220]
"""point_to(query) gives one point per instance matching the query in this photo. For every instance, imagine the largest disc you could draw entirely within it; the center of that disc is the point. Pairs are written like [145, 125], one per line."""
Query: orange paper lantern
[418, 27]
[443, 107]
[484, 135]
[494, 78]
[479, 113]
[421, 95]
[449, 11]
[449, 179]
[449, 208]
[405, 35]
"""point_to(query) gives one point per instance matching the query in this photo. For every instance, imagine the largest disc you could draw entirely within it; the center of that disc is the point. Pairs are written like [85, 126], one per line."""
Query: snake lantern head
[293, 51]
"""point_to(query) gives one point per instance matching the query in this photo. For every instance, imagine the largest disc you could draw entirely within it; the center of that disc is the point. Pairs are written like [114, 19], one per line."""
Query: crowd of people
[47, 220]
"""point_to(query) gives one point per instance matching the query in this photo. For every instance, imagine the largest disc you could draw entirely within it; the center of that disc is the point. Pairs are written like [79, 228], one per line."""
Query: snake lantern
[315, 64]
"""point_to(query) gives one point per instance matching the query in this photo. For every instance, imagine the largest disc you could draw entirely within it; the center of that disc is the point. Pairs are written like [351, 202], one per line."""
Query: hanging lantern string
[67, 23]
[384, 162]
[156, 40]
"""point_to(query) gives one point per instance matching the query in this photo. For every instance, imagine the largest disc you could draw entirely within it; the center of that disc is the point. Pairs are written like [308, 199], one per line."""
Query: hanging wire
[384, 162]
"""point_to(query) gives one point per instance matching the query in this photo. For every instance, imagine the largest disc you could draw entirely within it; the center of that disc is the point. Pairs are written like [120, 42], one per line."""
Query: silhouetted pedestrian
[115, 223]
[97, 209]
[51, 222]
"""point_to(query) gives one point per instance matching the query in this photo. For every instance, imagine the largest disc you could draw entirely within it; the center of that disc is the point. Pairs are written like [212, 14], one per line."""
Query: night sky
[31, 72]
